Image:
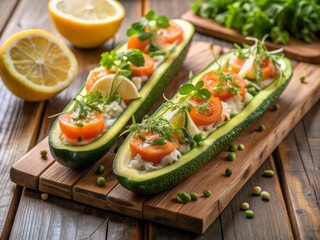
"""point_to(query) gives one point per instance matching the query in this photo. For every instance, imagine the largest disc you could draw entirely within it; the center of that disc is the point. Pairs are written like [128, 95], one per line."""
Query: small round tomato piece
[151, 153]
[268, 69]
[205, 111]
[212, 82]
[135, 42]
[146, 69]
[170, 34]
[87, 128]
[95, 75]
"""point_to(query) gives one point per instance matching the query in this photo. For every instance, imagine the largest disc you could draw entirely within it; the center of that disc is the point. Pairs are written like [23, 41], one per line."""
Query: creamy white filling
[111, 112]
[138, 163]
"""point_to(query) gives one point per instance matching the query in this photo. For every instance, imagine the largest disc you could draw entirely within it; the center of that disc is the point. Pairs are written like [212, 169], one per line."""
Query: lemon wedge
[124, 87]
[35, 65]
[87, 24]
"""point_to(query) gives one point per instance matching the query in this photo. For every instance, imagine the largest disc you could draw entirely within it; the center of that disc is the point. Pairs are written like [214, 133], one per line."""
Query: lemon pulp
[35, 65]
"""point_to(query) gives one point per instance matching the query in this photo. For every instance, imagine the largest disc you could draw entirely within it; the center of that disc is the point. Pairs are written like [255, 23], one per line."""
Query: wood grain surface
[57, 218]
[296, 100]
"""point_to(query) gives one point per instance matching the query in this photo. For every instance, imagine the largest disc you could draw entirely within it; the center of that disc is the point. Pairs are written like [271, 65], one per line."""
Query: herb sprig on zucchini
[127, 82]
[193, 140]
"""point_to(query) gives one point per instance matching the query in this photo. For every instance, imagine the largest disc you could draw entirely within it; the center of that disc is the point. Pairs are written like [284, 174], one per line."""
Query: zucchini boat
[138, 164]
[118, 84]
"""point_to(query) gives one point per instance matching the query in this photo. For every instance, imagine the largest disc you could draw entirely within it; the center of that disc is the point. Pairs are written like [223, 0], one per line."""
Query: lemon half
[86, 24]
[35, 65]
[124, 87]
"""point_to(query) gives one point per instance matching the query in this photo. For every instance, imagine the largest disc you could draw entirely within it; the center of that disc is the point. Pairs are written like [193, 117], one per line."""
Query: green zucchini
[151, 182]
[84, 155]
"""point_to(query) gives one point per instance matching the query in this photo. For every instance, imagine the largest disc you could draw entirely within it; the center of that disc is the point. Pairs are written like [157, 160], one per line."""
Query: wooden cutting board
[295, 49]
[49, 176]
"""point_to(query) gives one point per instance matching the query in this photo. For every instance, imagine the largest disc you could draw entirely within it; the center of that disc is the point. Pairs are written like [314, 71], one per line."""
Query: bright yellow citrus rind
[124, 87]
[20, 57]
[89, 24]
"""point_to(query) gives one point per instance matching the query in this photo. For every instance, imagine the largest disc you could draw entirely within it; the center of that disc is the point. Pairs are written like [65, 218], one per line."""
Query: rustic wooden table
[293, 212]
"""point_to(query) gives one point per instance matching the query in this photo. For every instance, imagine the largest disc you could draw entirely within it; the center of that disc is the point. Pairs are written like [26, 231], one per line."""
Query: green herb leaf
[186, 89]
[135, 57]
[158, 142]
[162, 22]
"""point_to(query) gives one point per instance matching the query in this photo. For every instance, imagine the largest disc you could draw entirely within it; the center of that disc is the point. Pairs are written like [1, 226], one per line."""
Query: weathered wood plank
[270, 217]
[122, 227]
[6, 9]
[57, 218]
[298, 161]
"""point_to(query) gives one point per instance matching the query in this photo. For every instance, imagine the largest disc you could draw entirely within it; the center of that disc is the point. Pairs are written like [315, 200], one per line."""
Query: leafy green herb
[122, 61]
[300, 18]
[158, 142]
[145, 28]
[158, 125]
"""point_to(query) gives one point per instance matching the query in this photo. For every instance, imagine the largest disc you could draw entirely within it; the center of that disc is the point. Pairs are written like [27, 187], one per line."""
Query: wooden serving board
[295, 49]
[49, 176]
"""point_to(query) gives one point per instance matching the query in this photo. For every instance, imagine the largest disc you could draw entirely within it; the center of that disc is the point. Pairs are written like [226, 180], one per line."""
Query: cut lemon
[124, 87]
[35, 65]
[87, 24]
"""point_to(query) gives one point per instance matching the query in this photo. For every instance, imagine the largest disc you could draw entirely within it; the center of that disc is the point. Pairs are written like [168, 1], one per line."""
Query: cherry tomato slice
[211, 80]
[135, 42]
[205, 111]
[268, 69]
[151, 153]
[146, 69]
[81, 129]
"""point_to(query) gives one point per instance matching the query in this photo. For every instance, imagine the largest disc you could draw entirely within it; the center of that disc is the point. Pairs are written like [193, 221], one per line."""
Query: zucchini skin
[83, 158]
[172, 178]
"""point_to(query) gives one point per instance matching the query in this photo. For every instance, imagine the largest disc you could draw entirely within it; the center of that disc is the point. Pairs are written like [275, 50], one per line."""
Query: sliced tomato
[81, 129]
[135, 42]
[139, 145]
[170, 34]
[212, 80]
[96, 74]
[146, 69]
[205, 111]
[268, 69]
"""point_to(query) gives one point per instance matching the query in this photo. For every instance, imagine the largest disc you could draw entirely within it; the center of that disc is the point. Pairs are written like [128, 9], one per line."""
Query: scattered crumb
[43, 154]
[44, 196]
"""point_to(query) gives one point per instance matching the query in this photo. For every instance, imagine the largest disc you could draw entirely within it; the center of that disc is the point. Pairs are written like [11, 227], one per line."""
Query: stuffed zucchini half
[202, 119]
[127, 82]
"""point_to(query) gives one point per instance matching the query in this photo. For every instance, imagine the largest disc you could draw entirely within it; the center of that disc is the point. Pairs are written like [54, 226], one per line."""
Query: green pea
[228, 172]
[198, 137]
[194, 196]
[302, 79]
[252, 91]
[256, 190]
[268, 173]
[207, 193]
[183, 197]
[275, 107]
[233, 148]
[261, 128]
[241, 147]
[100, 169]
[245, 206]
[200, 144]
[265, 195]
[231, 156]
[249, 213]
[101, 181]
